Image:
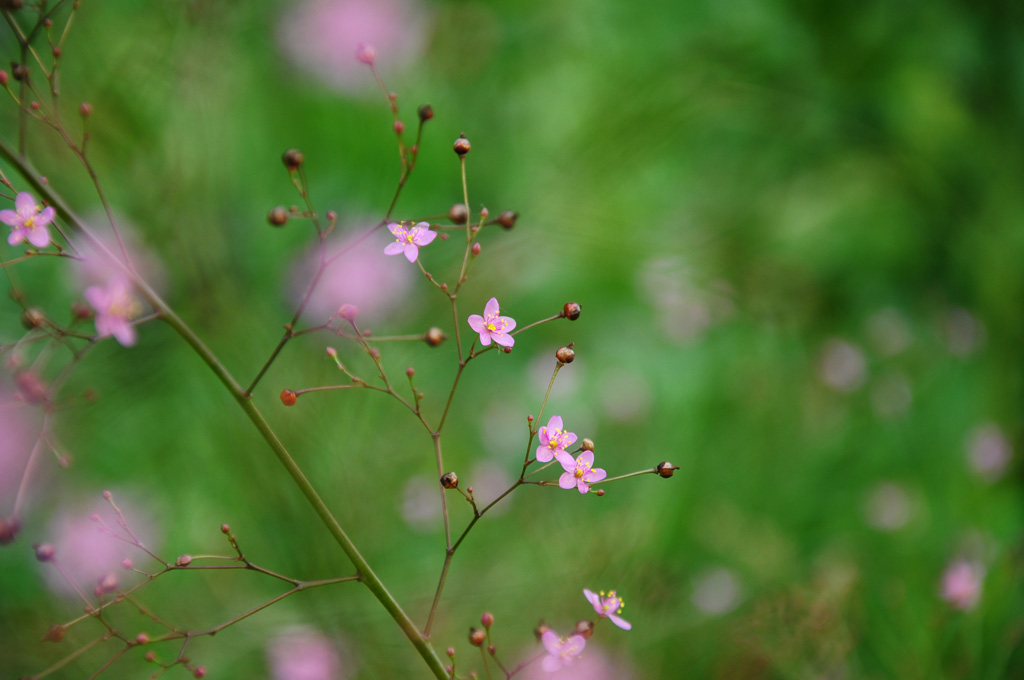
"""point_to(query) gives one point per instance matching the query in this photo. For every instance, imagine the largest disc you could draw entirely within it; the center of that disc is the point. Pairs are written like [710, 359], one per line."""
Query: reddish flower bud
[458, 213]
[571, 311]
[54, 634]
[199, 672]
[587, 444]
[44, 552]
[56, 52]
[107, 583]
[4, 78]
[475, 249]
[477, 637]
[183, 561]
[399, 127]
[149, 656]
[277, 216]
[126, 563]
[461, 145]
[450, 652]
[487, 619]
[332, 216]
[34, 105]
[82, 311]
[584, 628]
[410, 372]
[142, 639]
[666, 469]
[366, 54]
[508, 218]
[19, 71]
[348, 312]
[85, 109]
[289, 397]
[31, 388]
[47, 22]
[225, 529]
[599, 492]
[565, 355]
[426, 112]
[107, 495]
[292, 159]
[434, 336]
[450, 480]
[506, 350]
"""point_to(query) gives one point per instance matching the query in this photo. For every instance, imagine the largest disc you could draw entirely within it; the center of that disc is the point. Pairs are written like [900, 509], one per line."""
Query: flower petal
[25, 204]
[491, 308]
[411, 252]
[594, 599]
[587, 458]
[551, 643]
[567, 461]
[425, 236]
[503, 339]
[567, 480]
[620, 622]
[476, 322]
[394, 248]
[555, 423]
[39, 236]
[45, 217]
[544, 454]
[10, 218]
[16, 236]
[510, 324]
[396, 229]
[595, 475]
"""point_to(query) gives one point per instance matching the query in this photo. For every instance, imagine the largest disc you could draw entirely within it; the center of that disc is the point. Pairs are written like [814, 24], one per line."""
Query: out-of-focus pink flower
[842, 366]
[580, 473]
[988, 452]
[594, 664]
[304, 653]
[608, 606]
[29, 221]
[888, 507]
[20, 425]
[115, 307]
[554, 441]
[359, 277]
[409, 239]
[421, 504]
[560, 653]
[961, 584]
[490, 326]
[102, 260]
[324, 37]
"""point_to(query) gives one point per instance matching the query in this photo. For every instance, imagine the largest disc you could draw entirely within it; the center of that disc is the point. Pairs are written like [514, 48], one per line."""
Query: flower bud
[587, 444]
[183, 561]
[142, 639]
[126, 563]
[507, 219]
[487, 619]
[332, 216]
[666, 469]
[434, 336]
[584, 628]
[477, 637]
[541, 629]
[106, 583]
[4, 78]
[565, 355]
[199, 672]
[348, 312]
[571, 311]
[366, 54]
[44, 552]
[30, 387]
[450, 480]
[475, 249]
[450, 652]
[426, 112]
[458, 213]
[399, 127]
[107, 495]
[278, 216]
[54, 634]
[506, 350]
[85, 109]
[599, 492]
[461, 145]
[32, 317]
[82, 311]
[19, 71]
[292, 159]
[289, 397]
[410, 372]
[149, 656]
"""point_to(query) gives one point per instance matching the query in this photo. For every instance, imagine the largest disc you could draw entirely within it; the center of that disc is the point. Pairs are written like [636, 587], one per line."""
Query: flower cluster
[29, 221]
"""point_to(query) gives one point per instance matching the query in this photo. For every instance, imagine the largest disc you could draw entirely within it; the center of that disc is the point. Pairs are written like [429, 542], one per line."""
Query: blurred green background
[795, 229]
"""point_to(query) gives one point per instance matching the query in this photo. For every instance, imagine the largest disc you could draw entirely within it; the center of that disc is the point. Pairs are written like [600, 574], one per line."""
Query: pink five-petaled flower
[554, 441]
[409, 239]
[560, 654]
[580, 473]
[608, 606]
[28, 220]
[115, 308]
[490, 326]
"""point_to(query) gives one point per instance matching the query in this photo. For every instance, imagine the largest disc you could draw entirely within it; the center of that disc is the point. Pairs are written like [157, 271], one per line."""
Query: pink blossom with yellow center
[608, 607]
[580, 473]
[29, 221]
[409, 239]
[115, 307]
[554, 440]
[491, 326]
[560, 653]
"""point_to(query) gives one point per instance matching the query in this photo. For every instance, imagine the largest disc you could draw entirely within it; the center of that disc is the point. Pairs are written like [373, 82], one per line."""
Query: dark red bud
[225, 529]
[450, 480]
[487, 619]
[565, 355]
[584, 628]
[571, 310]
[54, 634]
[292, 159]
[44, 552]
[183, 561]
[458, 214]
[461, 145]
[289, 397]
[85, 109]
[399, 127]
[4, 78]
[475, 249]
[508, 218]
[426, 112]
[477, 637]
[278, 216]
[666, 469]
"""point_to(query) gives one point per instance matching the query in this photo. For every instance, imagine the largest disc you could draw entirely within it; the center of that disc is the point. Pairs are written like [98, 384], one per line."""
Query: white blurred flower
[716, 591]
[888, 507]
[842, 366]
[988, 452]
[889, 331]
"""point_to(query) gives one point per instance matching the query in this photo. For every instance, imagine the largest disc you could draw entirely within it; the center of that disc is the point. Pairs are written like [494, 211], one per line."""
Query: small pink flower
[580, 473]
[409, 239]
[560, 654]
[115, 308]
[554, 441]
[961, 584]
[29, 221]
[490, 326]
[608, 606]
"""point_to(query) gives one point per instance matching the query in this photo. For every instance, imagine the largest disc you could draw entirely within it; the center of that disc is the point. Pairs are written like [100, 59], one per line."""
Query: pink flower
[490, 326]
[304, 653]
[560, 654]
[580, 473]
[608, 606]
[409, 239]
[961, 584]
[28, 220]
[554, 441]
[115, 308]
